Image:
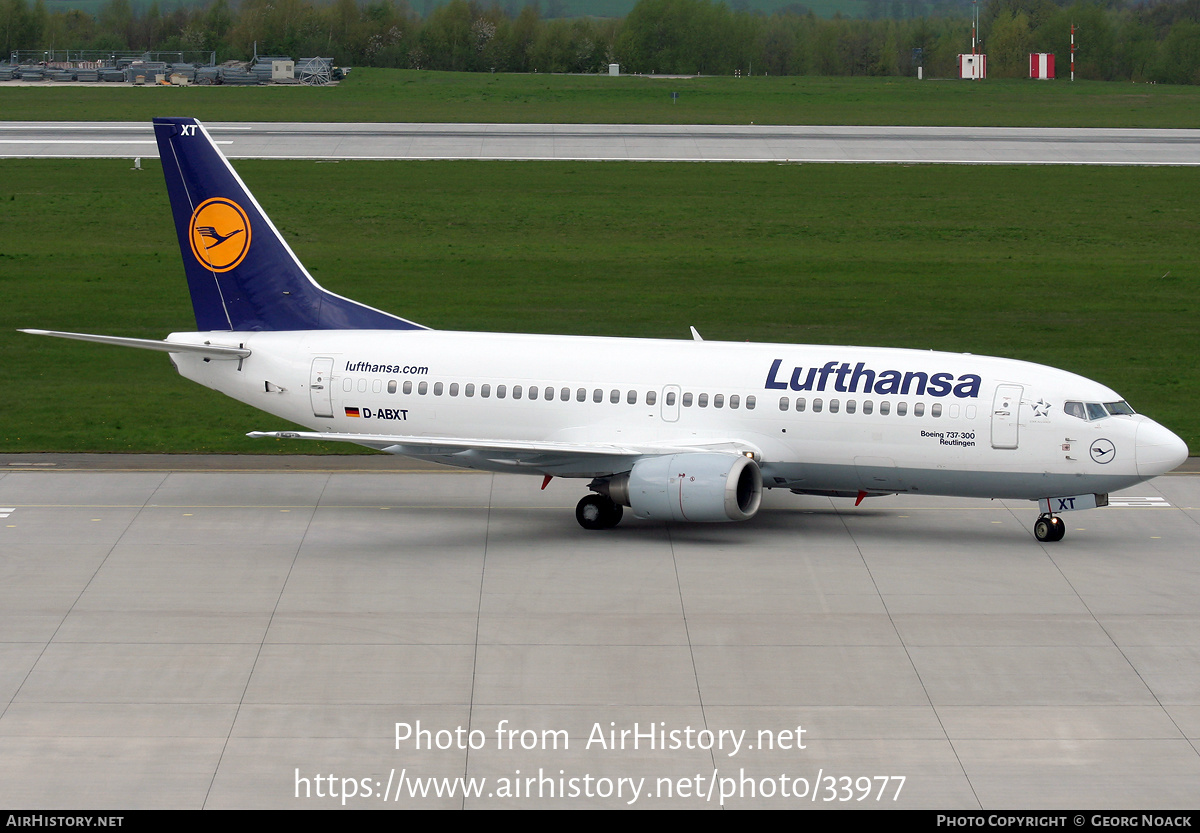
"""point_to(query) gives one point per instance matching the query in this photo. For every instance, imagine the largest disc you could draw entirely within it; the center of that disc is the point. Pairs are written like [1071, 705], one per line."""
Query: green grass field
[1089, 269]
[384, 95]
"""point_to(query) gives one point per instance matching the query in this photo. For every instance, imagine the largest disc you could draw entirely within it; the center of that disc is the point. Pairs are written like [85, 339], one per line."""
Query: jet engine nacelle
[690, 487]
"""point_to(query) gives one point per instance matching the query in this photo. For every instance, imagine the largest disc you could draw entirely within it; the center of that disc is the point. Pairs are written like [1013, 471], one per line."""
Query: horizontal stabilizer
[215, 351]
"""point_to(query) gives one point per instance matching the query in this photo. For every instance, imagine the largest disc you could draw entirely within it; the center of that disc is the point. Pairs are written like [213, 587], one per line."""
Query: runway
[188, 632]
[704, 143]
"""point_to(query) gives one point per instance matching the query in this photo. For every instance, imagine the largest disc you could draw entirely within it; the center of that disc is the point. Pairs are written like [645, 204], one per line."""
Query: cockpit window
[1094, 410]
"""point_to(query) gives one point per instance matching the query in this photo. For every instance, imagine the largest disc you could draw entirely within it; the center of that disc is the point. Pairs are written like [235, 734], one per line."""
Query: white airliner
[676, 430]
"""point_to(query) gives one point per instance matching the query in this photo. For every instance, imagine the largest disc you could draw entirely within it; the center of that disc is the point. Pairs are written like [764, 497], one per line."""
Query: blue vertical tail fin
[241, 273]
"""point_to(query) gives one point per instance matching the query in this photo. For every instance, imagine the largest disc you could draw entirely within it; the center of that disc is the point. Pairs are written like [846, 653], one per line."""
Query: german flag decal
[352, 412]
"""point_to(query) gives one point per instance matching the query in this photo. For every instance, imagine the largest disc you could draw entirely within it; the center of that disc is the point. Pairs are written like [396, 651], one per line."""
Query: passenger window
[935, 410]
[783, 403]
[484, 391]
[347, 384]
[565, 394]
[376, 385]
[631, 397]
[614, 397]
[581, 395]
[533, 392]
[362, 385]
[423, 388]
[671, 397]
[454, 388]
[719, 400]
[885, 408]
[901, 408]
[919, 409]
[407, 388]
[501, 390]
[549, 393]
[801, 403]
[392, 386]
[750, 403]
[734, 401]
[868, 406]
[817, 406]
[833, 406]
[437, 388]
[651, 397]
[516, 391]
[597, 395]
[702, 400]
[850, 406]
[470, 390]
[687, 400]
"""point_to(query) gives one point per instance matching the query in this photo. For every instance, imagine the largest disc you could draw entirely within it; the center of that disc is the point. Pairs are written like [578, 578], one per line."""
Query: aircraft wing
[561, 458]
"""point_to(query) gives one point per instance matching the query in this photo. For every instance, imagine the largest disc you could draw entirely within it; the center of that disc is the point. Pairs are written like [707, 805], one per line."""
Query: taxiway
[219, 632]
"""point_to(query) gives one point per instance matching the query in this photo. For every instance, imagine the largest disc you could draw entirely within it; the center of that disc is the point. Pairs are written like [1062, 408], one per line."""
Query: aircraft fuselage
[817, 418]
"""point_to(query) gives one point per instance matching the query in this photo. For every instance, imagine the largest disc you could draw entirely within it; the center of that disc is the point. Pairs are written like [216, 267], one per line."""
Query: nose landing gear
[1048, 528]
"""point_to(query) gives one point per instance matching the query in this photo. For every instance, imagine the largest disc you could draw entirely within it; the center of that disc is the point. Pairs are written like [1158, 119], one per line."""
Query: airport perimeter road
[966, 145]
[253, 638]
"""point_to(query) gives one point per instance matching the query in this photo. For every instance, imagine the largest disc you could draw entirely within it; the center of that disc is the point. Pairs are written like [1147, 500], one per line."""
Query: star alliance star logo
[1041, 408]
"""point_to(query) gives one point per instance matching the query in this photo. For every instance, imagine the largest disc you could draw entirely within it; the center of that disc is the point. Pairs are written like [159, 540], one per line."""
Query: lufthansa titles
[844, 378]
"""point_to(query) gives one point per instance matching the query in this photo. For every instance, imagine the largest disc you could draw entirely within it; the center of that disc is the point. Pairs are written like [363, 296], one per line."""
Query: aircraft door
[670, 403]
[1006, 411]
[320, 388]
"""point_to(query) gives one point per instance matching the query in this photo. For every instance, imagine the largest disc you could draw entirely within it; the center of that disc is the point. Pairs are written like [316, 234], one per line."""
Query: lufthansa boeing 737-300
[686, 430]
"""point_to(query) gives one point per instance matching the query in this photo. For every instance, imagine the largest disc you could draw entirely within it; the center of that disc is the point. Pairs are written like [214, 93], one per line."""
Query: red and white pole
[974, 24]
[1072, 51]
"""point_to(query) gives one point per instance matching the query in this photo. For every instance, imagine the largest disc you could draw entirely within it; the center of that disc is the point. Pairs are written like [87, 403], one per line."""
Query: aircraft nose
[1158, 450]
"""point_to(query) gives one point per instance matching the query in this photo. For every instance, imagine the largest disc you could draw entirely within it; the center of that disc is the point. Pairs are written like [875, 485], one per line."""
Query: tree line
[1156, 41]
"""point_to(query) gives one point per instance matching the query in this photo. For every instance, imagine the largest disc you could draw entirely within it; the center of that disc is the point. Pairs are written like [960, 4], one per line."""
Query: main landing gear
[598, 512]
[1049, 528]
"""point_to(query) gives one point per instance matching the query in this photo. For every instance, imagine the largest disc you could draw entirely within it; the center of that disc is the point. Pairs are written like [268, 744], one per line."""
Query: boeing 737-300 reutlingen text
[675, 430]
